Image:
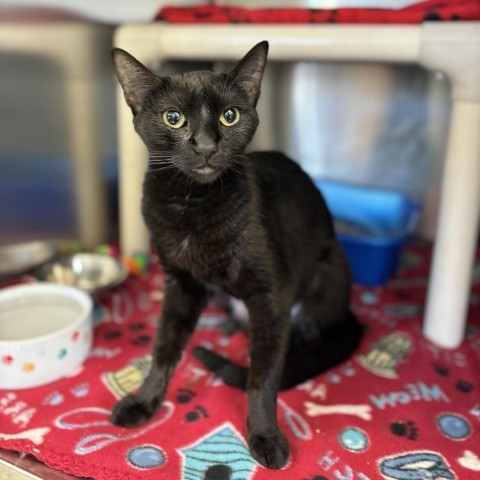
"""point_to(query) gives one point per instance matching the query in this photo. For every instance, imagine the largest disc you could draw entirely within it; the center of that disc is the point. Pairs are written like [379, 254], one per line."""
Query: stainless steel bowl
[24, 257]
[89, 272]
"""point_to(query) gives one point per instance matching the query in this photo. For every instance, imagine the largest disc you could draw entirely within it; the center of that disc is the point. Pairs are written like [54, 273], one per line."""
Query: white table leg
[132, 153]
[455, 49]
[457, 230]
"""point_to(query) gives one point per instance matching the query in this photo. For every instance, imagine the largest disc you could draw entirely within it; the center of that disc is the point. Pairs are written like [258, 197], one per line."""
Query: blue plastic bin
[372, 227]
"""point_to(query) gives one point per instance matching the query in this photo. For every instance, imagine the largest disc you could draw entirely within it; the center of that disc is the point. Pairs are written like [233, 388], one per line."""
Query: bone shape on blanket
[362, 411]
[35, 435]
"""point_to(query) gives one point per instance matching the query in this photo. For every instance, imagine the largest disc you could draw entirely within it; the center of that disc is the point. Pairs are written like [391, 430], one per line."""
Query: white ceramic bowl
[45, 333]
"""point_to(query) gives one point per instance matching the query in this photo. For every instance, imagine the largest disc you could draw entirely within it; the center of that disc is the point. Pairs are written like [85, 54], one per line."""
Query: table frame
[452, 48]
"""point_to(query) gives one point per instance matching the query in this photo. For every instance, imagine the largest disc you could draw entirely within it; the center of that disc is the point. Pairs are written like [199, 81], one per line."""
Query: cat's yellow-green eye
[230, 116]
[173, 118]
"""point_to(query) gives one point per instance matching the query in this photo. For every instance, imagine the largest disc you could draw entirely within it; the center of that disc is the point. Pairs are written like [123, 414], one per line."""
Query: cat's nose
[206, 150]
[204, 145]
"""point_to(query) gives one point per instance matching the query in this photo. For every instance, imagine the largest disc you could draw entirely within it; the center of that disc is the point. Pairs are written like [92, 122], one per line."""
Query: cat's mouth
[205, 170]
[206, 173]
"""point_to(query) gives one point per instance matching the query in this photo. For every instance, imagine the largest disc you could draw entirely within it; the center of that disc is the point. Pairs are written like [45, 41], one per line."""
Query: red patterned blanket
[400, 408]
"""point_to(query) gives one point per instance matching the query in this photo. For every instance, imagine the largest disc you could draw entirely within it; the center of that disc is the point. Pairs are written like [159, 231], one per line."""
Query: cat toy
[136, 263]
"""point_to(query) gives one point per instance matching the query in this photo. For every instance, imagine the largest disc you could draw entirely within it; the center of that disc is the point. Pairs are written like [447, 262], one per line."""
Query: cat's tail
[336, 344]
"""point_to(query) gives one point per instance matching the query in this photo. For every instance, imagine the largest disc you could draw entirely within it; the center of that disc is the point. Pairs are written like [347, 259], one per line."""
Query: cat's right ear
[136, 79]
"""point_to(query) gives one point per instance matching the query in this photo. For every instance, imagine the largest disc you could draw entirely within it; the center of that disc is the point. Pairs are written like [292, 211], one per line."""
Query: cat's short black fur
[252, 224]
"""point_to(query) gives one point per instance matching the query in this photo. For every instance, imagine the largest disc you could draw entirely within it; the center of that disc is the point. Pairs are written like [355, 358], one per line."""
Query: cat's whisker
[162, 161]
[162, 164]
[162, 155]
[159, 167]
[237, 160]
[156, 170]
[160, 152]
[235, 167]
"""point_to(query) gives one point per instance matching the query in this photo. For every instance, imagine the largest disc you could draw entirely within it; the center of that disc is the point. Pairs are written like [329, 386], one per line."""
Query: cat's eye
[230, 116]
[173, 118]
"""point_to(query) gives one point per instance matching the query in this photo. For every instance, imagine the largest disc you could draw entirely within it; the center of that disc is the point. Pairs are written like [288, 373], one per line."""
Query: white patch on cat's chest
[239, 309]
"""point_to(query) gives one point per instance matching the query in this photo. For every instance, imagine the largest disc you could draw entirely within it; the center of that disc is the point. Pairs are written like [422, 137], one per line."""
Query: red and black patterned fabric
[430, 10]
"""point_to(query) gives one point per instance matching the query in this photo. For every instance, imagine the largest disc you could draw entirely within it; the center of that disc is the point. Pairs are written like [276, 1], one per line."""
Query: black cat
[252, 224]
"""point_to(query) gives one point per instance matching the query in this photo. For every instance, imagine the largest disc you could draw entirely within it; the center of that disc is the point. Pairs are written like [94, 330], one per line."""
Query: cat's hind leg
[324, 331]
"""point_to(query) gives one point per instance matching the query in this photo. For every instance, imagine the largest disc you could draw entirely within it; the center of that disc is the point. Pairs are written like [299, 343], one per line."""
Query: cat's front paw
[270, 450]
[131, 412]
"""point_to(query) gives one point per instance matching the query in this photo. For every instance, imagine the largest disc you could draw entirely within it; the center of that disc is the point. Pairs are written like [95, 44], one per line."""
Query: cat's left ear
[249, 71]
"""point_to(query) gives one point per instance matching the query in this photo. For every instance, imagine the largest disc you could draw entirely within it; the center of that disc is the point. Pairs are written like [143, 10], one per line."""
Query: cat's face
[199, 122]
